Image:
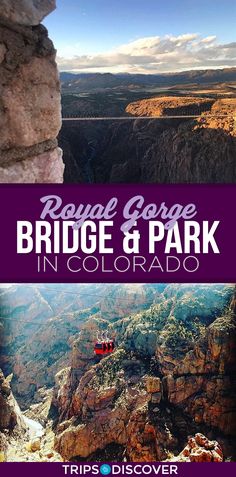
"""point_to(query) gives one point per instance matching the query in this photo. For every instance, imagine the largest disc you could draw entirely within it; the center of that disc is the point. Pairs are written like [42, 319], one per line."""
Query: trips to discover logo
[120, 469]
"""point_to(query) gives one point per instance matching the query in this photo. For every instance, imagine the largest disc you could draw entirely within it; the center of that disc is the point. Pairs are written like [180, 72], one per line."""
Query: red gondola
[104, 346]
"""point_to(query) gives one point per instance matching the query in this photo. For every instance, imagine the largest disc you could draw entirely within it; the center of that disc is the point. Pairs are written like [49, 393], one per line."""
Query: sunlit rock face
[166, 106]
[201, 449]
[30, 110]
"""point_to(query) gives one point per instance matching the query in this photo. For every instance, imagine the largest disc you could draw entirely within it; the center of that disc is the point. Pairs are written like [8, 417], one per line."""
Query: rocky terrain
[105, 95]
[204, 150]
[168, 150]
[37, 324]
[30, 100]
[201, 449]
[172, 375]
[184, 150]
[11, 421]
[167, 391]
[153, 150]
[22, 439]
[170, 106]
[30, 116]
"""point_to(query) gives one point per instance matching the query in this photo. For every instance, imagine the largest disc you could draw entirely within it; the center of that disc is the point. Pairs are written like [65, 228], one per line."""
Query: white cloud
[68, 50]
[155, 55]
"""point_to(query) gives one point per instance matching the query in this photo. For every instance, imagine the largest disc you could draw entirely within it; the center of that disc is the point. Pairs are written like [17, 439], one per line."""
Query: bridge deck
[134, 118]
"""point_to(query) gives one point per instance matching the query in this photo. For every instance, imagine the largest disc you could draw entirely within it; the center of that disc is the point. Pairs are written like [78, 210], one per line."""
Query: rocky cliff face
[109, 151]
[30, 117]
[191, 154]
[201, 151]
[11, 420]
[39, 324]
[36, 327]
[10, 416]
[170, 106]
[201, 449]
[172, 375]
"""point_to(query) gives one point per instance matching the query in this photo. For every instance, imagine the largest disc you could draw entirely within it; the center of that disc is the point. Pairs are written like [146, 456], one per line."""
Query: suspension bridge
[135, 118]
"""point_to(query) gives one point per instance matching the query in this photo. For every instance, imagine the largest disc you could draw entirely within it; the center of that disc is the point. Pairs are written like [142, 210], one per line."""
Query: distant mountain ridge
[96, 80]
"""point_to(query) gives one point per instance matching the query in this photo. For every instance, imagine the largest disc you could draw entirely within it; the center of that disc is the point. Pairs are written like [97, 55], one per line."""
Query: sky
[143, 36]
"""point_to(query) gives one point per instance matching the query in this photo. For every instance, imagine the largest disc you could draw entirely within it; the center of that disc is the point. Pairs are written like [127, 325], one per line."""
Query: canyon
[33, 94]
[174, 128]
[154, 150]
[167, 392]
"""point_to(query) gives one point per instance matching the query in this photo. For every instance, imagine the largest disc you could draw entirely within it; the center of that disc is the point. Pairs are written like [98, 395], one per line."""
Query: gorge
[169, 382]
[152, 149]
[142, 148]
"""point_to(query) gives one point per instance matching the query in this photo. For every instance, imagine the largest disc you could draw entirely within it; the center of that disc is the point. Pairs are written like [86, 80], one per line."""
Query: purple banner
[193, 469]
[118, 233]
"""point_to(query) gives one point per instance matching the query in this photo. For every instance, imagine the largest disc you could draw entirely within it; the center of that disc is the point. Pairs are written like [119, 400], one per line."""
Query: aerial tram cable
[103, 345]
[58, 290]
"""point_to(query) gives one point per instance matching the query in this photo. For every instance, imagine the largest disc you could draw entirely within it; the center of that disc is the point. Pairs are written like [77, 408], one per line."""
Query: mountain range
[90, 81]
